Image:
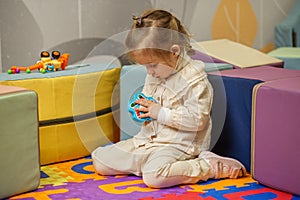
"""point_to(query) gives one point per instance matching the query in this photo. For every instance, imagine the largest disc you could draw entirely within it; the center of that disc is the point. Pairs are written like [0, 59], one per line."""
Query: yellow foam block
[74, 113]
[76, 139]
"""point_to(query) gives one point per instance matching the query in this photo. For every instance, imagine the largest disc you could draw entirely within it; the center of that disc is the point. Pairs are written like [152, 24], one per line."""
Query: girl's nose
[150, 71]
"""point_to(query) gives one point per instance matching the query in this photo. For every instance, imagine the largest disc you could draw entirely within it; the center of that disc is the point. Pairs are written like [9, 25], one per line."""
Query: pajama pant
[159, 166]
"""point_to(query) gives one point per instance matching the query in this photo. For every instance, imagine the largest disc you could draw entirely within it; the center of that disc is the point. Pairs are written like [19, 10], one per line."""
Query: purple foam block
[276, 134]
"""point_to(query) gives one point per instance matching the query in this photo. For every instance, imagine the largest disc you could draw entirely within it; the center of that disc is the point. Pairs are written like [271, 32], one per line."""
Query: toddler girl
[171, 149]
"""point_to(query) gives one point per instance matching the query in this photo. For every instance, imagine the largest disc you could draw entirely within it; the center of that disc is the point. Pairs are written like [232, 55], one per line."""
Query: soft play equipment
[76, 180]
[75, 108]
[275, 134]
[227, 51]
[289, 55]
[235, 138]
[287, 33]
[19, 141]
[210, 67]
[131, 82]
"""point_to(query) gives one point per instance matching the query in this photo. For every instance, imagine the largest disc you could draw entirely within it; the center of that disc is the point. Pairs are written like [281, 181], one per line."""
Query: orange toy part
[32, 67]
[64, 60]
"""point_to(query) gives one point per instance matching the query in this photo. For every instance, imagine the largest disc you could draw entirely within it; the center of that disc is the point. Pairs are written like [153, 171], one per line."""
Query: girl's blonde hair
[157, 31]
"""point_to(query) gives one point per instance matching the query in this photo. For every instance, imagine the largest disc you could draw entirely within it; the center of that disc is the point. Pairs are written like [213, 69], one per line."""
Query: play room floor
[76, 180]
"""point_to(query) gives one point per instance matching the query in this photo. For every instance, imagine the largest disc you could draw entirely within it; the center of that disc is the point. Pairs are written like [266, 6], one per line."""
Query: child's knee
[101, 168]
[154, 181]
[157, 178]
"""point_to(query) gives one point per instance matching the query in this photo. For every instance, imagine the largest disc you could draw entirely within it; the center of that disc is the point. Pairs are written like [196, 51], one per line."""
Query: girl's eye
[153, 65]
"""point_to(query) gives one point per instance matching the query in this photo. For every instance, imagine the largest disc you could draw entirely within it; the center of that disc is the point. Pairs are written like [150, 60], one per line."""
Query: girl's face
[156, 66]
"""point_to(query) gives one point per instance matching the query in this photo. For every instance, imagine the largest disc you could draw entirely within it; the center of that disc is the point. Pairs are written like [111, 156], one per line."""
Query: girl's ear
[175, 50]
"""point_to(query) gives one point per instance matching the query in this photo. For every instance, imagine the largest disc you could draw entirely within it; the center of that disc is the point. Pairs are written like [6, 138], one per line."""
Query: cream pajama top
[187, 95]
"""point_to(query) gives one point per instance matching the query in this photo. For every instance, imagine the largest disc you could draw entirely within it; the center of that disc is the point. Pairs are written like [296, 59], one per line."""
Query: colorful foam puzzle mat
[76, 179]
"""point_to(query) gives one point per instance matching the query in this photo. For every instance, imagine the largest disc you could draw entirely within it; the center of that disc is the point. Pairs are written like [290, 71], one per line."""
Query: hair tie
[137, 20]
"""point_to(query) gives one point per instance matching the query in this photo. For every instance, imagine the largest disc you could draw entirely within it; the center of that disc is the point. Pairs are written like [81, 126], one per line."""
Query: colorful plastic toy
[132, 105]
[47, 63]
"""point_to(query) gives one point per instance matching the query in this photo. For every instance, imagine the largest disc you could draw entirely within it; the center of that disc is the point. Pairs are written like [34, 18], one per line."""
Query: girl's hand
[150, 108]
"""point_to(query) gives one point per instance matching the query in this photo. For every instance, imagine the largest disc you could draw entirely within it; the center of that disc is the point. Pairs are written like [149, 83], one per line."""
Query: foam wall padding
[19, 145]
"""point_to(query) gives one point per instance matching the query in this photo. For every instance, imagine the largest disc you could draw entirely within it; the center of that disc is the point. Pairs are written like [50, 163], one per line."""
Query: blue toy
[132, 105]
[50, 67]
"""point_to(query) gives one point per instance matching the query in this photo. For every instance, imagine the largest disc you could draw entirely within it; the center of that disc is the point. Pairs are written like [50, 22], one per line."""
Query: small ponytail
[137, 20]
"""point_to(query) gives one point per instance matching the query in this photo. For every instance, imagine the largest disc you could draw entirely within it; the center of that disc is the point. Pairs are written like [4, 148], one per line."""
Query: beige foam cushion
[235, 53]
[9, 89]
